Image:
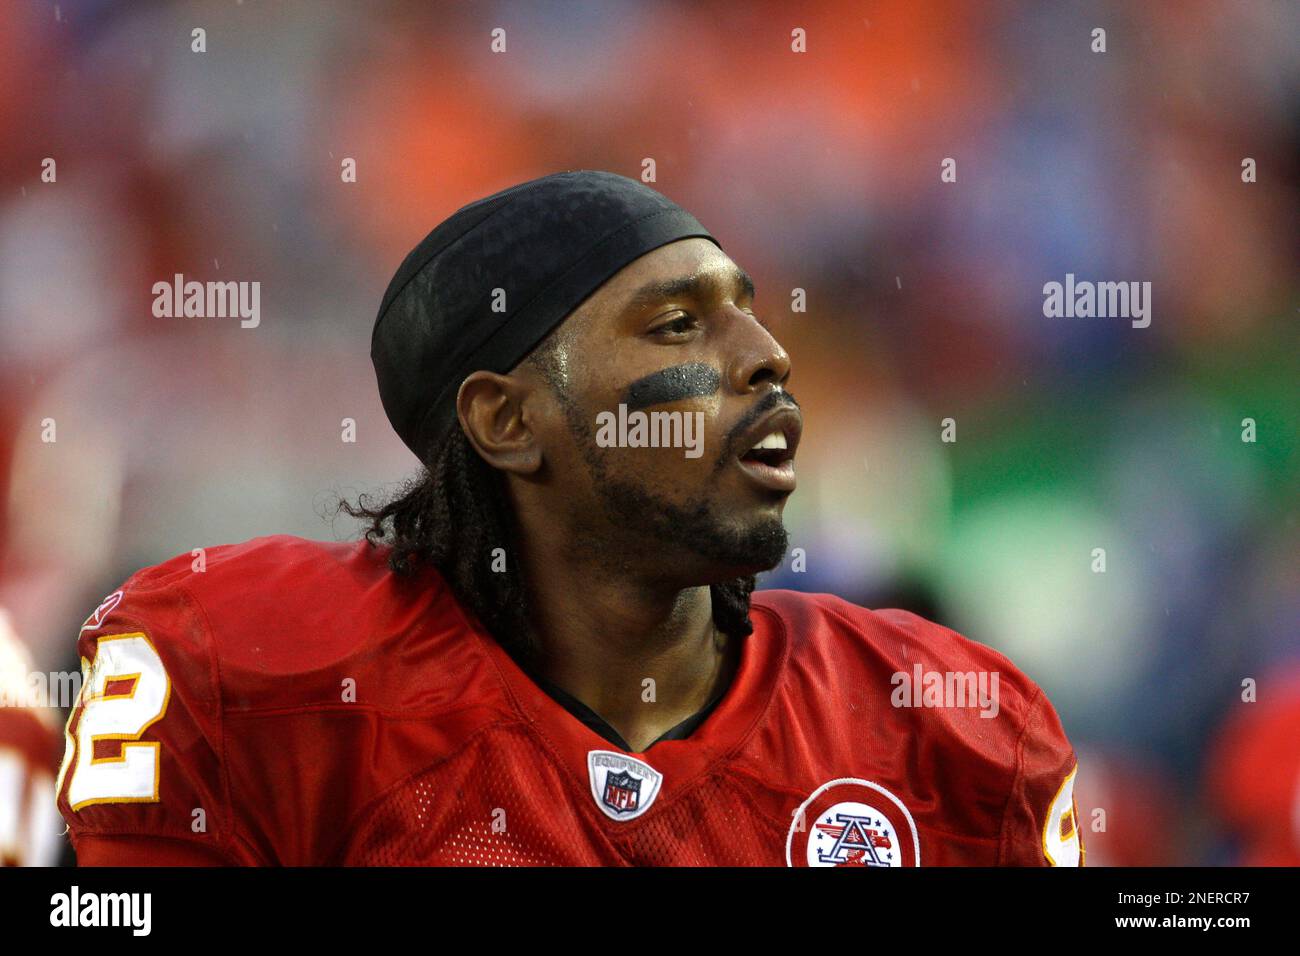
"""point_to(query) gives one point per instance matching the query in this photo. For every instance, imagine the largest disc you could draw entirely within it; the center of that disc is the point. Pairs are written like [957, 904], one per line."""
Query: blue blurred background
[818, 171]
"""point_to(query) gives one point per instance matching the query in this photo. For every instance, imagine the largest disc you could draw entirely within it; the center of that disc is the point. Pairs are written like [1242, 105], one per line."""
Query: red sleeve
[1041, 826]
[143, 761]
[146, 851]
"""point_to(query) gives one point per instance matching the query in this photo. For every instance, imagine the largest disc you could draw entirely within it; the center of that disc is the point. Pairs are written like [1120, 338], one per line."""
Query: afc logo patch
[623, 786]
[852, 822]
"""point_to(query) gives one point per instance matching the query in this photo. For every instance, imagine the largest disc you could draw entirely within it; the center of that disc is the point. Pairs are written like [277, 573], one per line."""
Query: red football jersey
[295, 702]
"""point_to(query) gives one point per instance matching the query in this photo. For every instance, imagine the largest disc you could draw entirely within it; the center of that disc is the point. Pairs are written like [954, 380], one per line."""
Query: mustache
[777, 398]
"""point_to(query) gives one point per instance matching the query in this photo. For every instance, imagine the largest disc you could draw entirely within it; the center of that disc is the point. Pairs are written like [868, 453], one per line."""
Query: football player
[548, 650]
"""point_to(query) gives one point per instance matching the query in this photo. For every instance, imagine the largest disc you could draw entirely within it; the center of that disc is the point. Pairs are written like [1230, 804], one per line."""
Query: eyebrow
[694, 285]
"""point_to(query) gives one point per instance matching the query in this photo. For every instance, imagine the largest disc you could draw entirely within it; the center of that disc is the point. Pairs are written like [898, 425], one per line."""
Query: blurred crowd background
[818, 171]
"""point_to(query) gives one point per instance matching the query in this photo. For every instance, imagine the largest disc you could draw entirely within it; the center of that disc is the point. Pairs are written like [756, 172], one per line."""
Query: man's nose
[758, 359]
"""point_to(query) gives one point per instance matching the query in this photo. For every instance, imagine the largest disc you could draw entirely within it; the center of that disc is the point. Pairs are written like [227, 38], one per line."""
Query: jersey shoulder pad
[973, 707]
[143, 745]
[214, 676]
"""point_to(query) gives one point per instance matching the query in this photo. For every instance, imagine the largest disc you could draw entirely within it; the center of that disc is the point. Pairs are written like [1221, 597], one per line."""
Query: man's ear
[490, 408]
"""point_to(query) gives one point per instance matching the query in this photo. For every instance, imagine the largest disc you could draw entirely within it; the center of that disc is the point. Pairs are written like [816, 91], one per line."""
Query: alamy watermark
[76, 908]
[38, 689]
[651, 430]
[1102, 300]
[946, 689]
[208, 300]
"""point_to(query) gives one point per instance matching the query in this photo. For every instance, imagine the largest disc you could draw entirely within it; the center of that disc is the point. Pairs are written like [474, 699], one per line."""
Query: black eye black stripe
[692, 380]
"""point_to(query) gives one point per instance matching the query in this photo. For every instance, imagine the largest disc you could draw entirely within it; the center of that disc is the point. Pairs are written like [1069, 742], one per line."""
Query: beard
[757, 545]
[697, 525]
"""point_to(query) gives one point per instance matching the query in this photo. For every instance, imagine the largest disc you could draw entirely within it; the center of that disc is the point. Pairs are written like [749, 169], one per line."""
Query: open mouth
[773, 450]
[770, 460]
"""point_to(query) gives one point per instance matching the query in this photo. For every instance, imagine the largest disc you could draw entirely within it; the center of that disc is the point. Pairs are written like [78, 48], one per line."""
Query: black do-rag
[547, 244]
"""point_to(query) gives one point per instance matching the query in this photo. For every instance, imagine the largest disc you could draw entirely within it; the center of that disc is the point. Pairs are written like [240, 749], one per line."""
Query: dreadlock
[453, 514]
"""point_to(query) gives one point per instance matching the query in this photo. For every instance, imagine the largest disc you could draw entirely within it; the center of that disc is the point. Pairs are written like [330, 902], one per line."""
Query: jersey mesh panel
[446, 817]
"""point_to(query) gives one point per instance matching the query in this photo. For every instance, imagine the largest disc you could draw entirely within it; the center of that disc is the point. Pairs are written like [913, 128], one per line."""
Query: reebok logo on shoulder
[96, 619]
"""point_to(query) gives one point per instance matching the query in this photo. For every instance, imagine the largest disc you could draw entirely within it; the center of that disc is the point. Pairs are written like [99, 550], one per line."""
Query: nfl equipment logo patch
[623, 786]
[852, 822]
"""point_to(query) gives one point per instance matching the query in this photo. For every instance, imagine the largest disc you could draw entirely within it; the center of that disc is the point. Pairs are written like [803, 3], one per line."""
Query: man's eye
[678, 326]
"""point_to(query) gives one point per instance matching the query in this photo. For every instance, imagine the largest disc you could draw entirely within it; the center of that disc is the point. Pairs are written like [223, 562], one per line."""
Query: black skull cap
[547, 244]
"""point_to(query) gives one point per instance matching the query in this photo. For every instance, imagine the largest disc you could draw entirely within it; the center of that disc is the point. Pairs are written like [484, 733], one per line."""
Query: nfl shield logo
[622, 786]
[622, 791]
